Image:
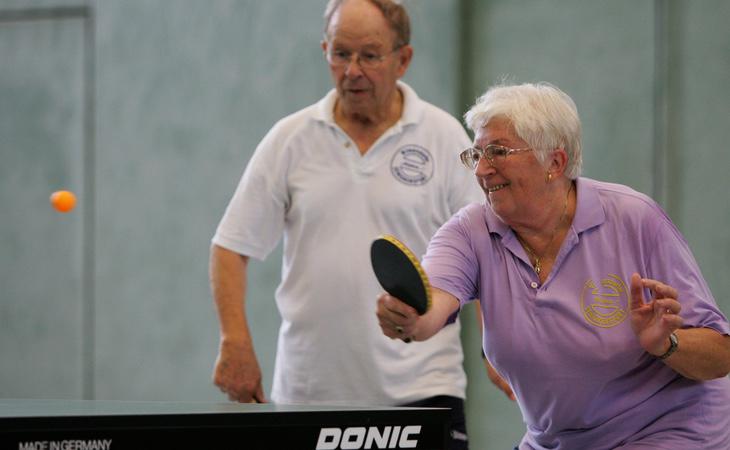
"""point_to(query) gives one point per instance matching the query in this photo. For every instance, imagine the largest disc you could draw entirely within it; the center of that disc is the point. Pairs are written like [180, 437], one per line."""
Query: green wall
[149, 111]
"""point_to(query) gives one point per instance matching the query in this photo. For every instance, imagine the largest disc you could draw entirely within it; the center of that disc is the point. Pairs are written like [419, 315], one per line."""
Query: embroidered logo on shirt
[605, 305]
[412, 165]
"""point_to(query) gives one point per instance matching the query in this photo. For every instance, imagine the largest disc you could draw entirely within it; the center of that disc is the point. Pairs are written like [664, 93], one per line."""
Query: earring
[549, 177]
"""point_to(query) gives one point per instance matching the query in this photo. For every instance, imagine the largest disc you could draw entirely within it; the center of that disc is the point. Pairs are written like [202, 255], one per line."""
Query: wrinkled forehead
[498, 130]
[360, 23]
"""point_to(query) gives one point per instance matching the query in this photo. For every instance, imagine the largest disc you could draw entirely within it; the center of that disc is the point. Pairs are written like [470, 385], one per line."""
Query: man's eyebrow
[366, 47]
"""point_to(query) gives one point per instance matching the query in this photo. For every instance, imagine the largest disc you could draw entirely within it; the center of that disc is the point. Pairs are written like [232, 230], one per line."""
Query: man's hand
[237, 373]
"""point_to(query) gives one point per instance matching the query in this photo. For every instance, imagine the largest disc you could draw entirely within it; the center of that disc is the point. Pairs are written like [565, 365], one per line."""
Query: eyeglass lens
[495, 155]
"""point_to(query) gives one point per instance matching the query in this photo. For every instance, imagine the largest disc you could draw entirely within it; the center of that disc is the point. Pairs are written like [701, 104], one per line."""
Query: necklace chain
[537, 265]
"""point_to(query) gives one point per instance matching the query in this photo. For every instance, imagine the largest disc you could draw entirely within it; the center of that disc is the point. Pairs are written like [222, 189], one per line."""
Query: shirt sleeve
[254, 219]
[464, 188]
[450, 262]
[672, 262]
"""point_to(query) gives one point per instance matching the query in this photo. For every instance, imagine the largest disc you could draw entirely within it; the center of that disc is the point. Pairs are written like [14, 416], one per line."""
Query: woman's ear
[558, 161]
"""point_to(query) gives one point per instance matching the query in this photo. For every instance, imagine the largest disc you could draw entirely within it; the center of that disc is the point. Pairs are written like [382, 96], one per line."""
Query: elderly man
[370, 158]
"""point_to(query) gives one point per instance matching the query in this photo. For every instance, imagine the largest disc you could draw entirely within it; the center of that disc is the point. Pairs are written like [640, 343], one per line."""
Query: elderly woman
[594, 309]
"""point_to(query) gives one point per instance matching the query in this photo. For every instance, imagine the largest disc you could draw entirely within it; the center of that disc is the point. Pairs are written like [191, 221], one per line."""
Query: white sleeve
[254, 219]
[463, 188]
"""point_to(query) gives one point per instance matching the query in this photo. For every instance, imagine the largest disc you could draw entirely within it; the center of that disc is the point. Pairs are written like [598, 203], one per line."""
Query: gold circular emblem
[605, 305]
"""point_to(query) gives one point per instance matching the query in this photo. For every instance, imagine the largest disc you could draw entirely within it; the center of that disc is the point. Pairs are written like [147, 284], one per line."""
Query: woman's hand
[397, 319]
[655, 320]
[400, 321]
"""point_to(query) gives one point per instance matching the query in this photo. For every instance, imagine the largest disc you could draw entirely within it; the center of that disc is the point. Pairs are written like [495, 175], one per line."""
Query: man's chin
[357, 106]
[357, 98]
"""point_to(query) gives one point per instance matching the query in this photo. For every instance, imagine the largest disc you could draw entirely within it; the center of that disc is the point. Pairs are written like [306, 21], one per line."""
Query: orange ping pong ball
[63, 201]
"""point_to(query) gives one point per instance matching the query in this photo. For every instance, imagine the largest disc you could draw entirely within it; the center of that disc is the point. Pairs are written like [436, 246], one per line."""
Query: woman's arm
[701, 353]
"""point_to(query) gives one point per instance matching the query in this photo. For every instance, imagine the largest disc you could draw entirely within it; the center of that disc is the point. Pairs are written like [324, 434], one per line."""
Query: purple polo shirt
[566, 347]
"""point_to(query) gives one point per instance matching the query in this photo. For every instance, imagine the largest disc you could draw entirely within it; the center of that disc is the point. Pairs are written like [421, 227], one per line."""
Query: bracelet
[673, 344]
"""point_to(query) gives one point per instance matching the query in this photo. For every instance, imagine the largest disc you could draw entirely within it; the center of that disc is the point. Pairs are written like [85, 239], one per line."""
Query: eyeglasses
[495, 154]
[367, 59]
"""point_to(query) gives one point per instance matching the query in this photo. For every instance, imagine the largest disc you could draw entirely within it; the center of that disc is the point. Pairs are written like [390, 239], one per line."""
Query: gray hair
[393, 11]
[542, 115]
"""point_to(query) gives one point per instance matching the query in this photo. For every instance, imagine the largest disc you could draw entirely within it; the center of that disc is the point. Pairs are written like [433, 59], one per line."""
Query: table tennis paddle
[399, 272]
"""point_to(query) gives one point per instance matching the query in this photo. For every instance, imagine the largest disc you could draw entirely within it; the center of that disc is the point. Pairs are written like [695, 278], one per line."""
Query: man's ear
[404, 59]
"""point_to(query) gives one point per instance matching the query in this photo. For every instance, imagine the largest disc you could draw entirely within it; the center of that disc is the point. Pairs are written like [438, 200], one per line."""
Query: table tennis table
[27, 424]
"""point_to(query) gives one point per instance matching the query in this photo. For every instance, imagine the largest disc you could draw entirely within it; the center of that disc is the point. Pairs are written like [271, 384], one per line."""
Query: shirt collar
[413, 107]
[589, 211]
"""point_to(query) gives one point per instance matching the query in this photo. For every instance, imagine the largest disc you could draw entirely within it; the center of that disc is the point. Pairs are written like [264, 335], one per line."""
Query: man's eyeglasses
[495, 154]
[367, 59]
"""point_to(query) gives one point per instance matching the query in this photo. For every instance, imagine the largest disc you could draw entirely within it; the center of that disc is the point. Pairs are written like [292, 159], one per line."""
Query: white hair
[542, 115]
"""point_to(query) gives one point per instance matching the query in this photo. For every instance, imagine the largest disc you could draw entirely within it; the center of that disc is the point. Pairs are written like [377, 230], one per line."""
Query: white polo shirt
[308, 182]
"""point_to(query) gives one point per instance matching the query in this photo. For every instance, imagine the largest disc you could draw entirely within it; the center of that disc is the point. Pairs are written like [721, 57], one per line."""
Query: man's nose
[353, 67]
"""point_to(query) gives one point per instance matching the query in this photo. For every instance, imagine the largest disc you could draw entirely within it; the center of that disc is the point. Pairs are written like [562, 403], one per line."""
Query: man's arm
[237, 372]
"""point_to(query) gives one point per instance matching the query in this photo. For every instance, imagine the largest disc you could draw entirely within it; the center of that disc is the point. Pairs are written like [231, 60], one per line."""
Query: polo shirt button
[534, 285]
[347, 144]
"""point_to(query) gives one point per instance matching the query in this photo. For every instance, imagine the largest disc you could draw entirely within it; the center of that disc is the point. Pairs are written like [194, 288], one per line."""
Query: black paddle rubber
[400, 273]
